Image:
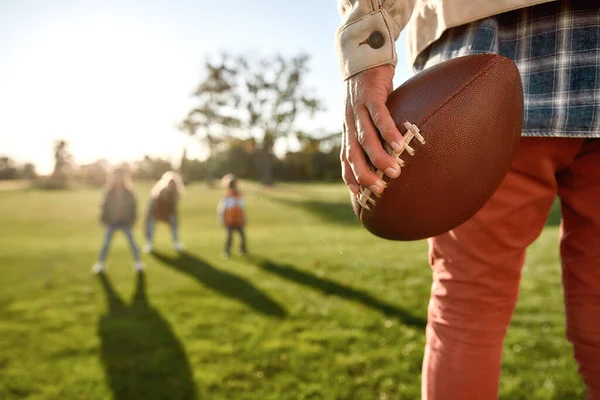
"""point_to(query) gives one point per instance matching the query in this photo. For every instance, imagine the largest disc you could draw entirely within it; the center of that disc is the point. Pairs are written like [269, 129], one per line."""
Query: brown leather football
[461, 121]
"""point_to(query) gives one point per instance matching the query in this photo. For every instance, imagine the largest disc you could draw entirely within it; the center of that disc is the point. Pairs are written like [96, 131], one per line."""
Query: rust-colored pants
[477, 268]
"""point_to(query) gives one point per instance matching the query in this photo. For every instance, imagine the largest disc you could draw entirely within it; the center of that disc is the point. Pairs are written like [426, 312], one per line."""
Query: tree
[27, 171]
[8, 169]
[236, 158]
[151, 168]
[273, 96]
[94, 174]
[213, 117]
[189, 127]
[317, 159]
[194, 170]
[253, 97]
[63, 161]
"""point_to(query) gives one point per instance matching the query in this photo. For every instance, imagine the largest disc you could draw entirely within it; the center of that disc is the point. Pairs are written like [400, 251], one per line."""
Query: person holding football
[477, 266]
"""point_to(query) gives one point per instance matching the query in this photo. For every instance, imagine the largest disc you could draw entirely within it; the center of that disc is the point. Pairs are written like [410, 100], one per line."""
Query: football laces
[412, 132]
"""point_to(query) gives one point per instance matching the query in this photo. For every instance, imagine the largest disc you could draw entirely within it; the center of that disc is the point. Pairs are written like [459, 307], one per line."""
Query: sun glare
[104, 84]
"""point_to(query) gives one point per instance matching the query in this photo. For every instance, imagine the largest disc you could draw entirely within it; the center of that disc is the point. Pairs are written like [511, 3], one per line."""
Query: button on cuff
[356, 54]
[376, 40]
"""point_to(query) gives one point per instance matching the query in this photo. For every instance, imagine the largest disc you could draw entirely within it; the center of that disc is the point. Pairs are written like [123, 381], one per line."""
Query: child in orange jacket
[233, 216]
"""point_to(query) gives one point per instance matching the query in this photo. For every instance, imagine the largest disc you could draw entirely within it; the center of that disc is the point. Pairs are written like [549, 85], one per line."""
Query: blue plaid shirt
[556, 47]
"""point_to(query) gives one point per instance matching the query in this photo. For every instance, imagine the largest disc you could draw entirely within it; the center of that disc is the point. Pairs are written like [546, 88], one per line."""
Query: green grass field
[320, 310]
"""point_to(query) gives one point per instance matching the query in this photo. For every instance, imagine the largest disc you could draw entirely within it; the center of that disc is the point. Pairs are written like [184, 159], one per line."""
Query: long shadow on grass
[341, 212]
[328, 211]
[330, 287]
[223, 282]
[141, 355]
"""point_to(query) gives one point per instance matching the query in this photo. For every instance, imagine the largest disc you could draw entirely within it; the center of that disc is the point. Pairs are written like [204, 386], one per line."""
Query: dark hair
[233, 184]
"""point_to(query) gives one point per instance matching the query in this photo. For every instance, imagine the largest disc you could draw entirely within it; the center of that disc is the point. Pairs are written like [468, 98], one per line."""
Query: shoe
[226, 255]
[138, 266]
[98, 267]
[147, 248]
[179, 247]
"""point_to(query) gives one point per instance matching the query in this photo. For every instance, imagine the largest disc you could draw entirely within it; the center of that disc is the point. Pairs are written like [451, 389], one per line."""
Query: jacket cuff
[366, 43]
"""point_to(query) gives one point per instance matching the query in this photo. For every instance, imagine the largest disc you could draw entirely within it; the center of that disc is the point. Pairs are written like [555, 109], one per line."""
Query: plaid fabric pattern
[556, 47]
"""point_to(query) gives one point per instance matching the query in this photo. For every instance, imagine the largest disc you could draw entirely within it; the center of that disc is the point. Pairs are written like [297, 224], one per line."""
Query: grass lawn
[320, 310]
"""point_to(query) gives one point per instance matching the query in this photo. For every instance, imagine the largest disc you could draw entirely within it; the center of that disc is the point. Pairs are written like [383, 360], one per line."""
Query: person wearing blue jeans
[164, 199]
[119, 212]
[110, 230]
[151, 224]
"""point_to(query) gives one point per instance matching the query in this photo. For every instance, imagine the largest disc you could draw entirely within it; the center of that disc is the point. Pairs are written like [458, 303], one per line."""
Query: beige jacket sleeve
[366, 38]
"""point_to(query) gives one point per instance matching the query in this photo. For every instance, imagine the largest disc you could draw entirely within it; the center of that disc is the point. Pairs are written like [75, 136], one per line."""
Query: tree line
[241, 108]
[243, 105]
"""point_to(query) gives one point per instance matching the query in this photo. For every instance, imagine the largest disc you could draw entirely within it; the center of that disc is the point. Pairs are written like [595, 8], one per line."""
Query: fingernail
[353, 188]
[396, 147]
[376, 188]
[392, 172]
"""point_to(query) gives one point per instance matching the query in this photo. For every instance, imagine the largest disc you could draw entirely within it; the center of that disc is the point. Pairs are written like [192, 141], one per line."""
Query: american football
[461, 121]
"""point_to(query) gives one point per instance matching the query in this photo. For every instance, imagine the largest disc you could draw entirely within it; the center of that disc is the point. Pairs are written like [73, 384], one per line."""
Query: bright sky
[114, 77]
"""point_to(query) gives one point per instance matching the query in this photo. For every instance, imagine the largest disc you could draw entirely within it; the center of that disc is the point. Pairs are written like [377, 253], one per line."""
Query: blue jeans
[240, 230]
[151, 223]
[110, 229]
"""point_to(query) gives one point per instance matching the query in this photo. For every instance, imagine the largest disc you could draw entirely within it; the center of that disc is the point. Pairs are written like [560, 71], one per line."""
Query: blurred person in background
[118, 212]
[232, 212]
[164, 199]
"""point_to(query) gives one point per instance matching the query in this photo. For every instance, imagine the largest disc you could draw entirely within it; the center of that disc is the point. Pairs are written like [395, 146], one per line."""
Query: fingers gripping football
[386, 126]
[366, 118]
[356, 158]
[347, 173]
[368, 138]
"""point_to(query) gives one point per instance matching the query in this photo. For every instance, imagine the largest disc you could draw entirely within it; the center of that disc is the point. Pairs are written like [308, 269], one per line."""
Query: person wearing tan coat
[477, 266]
[164, 199]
